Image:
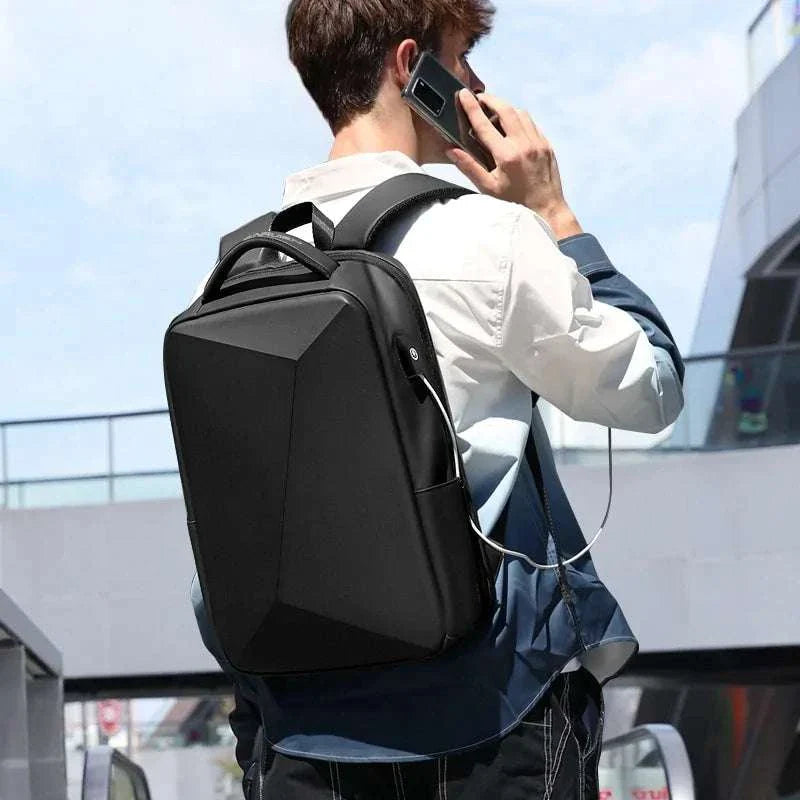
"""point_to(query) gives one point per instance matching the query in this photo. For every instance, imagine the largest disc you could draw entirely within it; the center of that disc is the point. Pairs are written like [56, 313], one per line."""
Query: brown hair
[339, 46]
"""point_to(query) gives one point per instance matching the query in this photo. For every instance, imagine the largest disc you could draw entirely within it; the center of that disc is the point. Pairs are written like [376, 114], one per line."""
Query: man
[518, 300]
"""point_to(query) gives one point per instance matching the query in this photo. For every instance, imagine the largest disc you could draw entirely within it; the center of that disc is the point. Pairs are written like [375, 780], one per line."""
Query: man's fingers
[472, 168]
[487, 134]
[509, 118]
[529, 125]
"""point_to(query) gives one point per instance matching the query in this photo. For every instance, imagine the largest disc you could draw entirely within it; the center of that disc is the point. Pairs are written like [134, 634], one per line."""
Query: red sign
[638, 794]
[109, 716]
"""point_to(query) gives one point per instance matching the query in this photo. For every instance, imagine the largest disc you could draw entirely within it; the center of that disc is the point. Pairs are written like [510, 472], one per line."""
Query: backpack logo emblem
[414, 354]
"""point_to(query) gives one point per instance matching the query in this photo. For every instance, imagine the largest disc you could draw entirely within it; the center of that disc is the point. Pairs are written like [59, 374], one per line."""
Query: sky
[133, 135]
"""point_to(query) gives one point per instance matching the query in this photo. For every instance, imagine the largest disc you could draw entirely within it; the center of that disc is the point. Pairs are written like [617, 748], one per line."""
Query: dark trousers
[552, 755]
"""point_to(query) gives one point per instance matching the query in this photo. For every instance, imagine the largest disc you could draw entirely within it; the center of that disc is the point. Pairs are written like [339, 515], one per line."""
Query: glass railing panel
[700, 384]
[648, 763]
[745, 401]
[143, 444]
[731, 402]
[91, 491]
[568, 434]
[58, 493]
[56, 449]
[87, 461]
[771, 37]
[147, 487]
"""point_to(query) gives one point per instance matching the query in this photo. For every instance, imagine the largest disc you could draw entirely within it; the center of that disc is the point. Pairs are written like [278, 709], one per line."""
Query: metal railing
[648, 762]
[736, 400]
[743, 399]
[125, 456]
[109, 775]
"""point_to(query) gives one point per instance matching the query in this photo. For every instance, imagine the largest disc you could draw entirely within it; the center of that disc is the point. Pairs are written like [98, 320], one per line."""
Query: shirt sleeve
[615, 289]
[591, 360]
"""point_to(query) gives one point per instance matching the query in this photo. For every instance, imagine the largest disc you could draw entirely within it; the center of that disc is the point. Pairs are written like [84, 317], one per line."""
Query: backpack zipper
[399, 273]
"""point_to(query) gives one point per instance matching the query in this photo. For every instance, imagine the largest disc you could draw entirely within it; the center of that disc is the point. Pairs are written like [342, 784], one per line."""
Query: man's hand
[526, 169]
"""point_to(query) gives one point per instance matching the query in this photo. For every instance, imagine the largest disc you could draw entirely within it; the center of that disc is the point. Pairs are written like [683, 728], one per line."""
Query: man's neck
[367, 136]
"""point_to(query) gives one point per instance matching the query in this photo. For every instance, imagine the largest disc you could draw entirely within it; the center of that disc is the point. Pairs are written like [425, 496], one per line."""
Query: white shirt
[508, 313]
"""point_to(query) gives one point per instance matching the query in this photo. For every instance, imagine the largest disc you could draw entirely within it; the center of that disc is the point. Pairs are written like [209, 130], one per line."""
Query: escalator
[649, 762]
[109, 775]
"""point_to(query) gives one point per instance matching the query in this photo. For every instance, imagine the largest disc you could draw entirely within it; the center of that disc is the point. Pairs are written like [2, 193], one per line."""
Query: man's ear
[406, 57]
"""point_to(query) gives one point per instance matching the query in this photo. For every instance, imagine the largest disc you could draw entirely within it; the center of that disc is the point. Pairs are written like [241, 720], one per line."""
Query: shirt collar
[341, 176]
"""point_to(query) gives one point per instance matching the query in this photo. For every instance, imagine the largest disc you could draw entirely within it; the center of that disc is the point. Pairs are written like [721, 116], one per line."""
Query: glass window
[792, 261]
[763, 314]
[789, 783]
[794, 331]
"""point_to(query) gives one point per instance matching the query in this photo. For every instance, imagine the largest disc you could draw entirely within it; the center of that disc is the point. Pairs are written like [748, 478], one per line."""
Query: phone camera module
[428, 96]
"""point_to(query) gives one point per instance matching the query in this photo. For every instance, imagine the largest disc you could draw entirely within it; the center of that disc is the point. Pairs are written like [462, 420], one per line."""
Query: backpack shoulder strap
[383, 204]
[386, 202]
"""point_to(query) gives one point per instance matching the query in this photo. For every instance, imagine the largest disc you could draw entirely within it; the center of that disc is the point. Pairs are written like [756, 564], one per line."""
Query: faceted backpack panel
[289, 446]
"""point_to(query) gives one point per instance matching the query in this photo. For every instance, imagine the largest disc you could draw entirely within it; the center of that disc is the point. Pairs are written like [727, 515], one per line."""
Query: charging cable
[476, 527]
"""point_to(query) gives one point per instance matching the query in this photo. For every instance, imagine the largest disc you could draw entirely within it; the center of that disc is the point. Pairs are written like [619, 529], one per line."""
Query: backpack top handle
[304, 253]
[258, 225]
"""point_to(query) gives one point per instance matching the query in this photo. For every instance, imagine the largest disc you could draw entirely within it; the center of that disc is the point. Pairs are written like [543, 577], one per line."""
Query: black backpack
[326, 501]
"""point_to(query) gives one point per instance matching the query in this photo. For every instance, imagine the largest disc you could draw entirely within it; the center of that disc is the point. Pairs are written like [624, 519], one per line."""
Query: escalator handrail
[97, 765]
[672, 752]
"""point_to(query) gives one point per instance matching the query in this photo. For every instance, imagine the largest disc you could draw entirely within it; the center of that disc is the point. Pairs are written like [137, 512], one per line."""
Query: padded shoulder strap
[258, 225]
[386, 202]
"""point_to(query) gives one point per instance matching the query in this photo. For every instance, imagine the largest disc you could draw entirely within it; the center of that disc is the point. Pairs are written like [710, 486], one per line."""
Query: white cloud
[663, 119]
[114, 76]
[98, 187]
[659, 114]
[645, 139]
[149, 203]
[673, 80]
[84, 274]
[593, 7]
[8, 55]
[7, 275]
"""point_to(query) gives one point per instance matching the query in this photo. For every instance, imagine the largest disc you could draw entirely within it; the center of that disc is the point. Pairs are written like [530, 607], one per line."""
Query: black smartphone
[432, 91]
